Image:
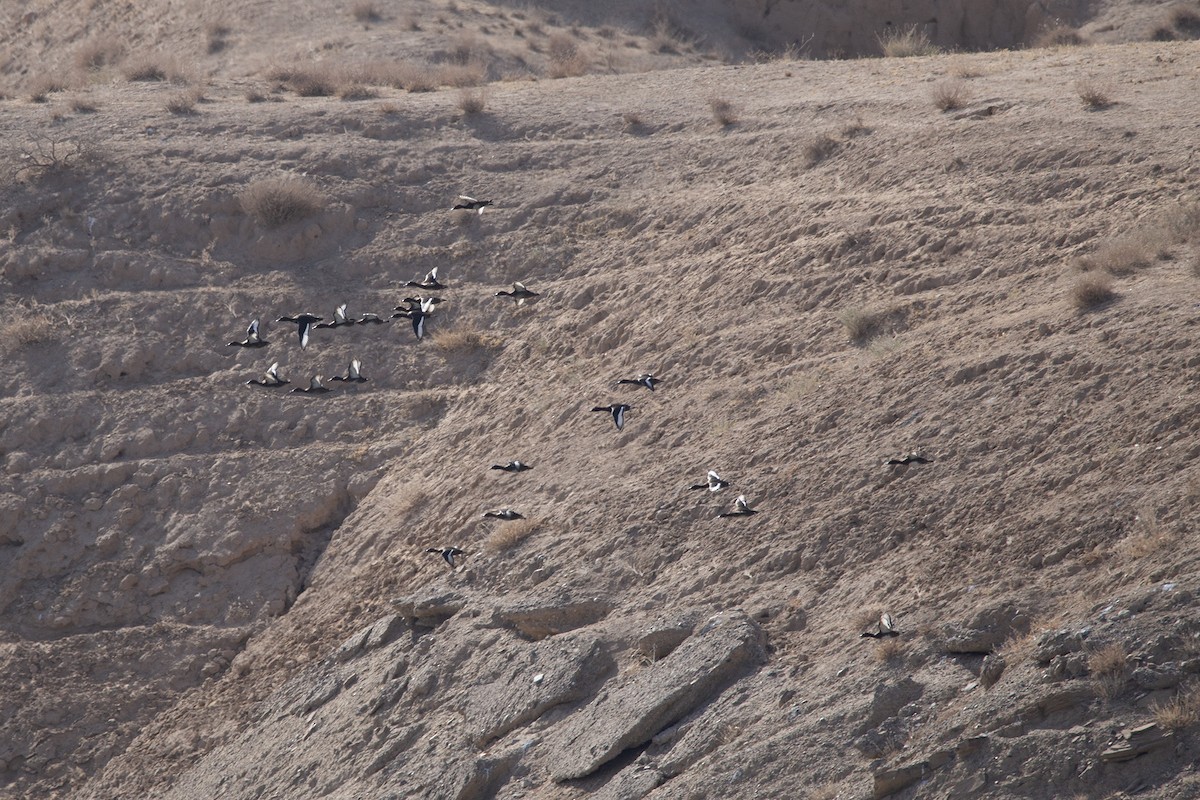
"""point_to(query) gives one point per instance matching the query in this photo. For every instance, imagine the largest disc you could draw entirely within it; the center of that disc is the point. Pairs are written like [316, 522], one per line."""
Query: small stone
[541, 676]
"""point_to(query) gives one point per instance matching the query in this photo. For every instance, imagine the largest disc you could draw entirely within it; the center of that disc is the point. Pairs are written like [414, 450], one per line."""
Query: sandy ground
[824, 268]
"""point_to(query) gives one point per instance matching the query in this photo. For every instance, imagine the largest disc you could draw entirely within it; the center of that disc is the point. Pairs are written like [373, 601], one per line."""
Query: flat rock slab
[430, 609]
[537, 677]
[540, 617]
[663, 693]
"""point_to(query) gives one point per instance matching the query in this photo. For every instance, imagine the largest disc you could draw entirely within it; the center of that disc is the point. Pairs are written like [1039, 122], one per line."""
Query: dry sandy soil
[213, 589]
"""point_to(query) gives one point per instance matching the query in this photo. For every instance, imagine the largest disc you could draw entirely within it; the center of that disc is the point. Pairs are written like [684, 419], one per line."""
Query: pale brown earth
[209, 589]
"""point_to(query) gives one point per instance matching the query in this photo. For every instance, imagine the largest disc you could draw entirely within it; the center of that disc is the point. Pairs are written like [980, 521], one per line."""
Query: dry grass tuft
[566, 59]
[356, 91]
[905, 42]
[365, 12]
[215, 34]
[1124, 255]
[472, 101]
[509, 535]
[83, 105]
[26, 330]
[890, 651]
[184, 103]
[632, 121]
[1092, 290]
[45, 86]
[950, 95]
[1059, 35]
[157, 68]
[723, 111]
[1108, 661]
[273, 202]
[1181, 711]
[459, 341]
[1095, 96]
[99, 52]
[862, 324]
[819, 148]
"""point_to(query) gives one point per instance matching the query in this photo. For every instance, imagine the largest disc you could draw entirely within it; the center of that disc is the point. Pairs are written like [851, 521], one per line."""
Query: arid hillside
[984, 267]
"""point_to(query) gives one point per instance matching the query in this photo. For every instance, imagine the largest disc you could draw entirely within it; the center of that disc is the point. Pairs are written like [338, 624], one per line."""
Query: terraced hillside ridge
[215, 588]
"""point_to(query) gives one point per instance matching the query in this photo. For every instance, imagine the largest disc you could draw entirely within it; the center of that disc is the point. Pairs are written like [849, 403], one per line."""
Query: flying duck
[520, 294]
[270, 378]
[740, 508]
[618, 413]
[370, 319]
[503, 513]
[470, 204]
[512, 466]
[418, 322]
[339, 318]
[713, 484]
[447, 554]
[424, 303]
[304, 323]
[252, 338]
[886, 628]
[353, 373]
[430, 281]
[647, 379]
[314, 387]
[911, 458]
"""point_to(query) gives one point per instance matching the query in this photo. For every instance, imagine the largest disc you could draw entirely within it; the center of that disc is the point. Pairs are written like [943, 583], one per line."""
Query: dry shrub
[1092, 290]
[460, 341]
[1108, 661]
[1059, 35]
[1123, 255]
[510, 534]
[566, 59]
[1181, 711]
[890, 651]
[1107, 666]
[356, 91]
[45, 86]
[255, 96]
[26, 330]
[415, 76]
[273, 202]
[365, 12]
[866, 618]
[82, 105]
[472, 101]
[468, 48]
[949, 95]
[1095, 95]
[183, 104]
[907, 41]
[819, 148]
[1183, 22]
[214, 37]
[722, 111]
[632, 121]
[99, 52]
[1148, 539]
[1019, 647]
[155, 68]
[861, 323]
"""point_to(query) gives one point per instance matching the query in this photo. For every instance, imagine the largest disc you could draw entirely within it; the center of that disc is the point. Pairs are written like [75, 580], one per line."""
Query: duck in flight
[520, 294]
[430, 282]
[512, 466]
[503, 513]
[886, 627]
[646, 379]
[740, 508]
[447, 554]
[713, 484]
[339, 319]
[618, 413]
[353, 373]
[314, 387]
[304, 323]
[270, 378]
[911, 458]
[471, 204]
[370, 319]
[252, 338]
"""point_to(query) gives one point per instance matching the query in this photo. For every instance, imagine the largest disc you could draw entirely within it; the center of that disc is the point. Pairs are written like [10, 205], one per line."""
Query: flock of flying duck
[417, 310]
